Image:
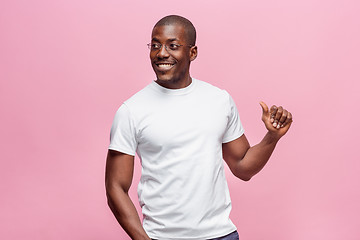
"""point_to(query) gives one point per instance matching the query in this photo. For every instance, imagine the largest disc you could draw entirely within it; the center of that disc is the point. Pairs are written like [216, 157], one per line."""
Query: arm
[118, 178]
[245, 161]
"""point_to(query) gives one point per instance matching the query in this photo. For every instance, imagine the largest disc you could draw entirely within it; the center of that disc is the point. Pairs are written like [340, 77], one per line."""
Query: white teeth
[165, 66]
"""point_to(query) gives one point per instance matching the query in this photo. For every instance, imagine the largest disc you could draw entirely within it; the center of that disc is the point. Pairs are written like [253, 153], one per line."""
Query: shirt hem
[195, 238]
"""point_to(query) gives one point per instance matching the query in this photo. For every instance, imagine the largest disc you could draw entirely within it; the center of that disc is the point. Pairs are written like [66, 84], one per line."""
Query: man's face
[170, 66]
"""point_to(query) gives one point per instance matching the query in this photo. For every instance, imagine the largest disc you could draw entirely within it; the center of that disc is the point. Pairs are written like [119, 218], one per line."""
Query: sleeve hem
[122, 150]
[233, 137]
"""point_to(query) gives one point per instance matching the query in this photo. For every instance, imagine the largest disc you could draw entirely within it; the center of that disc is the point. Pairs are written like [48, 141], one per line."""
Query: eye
[174, 46]
[155, 46]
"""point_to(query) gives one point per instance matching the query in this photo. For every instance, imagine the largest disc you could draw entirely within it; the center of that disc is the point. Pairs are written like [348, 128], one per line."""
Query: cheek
[181, 58]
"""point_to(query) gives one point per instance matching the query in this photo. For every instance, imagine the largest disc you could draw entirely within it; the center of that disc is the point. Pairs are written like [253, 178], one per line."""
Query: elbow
[245, 178]
[112, 190]
[108, 190]
[111, 196]
[109, 203]
[113, 186]
[244, 175]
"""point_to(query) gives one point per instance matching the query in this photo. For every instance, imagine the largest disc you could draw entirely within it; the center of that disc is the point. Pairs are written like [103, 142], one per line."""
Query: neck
[175, 84]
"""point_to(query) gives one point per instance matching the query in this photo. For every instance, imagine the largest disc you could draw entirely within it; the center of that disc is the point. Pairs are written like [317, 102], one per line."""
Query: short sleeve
[123, 132]
[234, 128]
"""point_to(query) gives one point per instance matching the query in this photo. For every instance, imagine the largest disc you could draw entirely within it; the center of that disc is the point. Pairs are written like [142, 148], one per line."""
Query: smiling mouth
[164, 66]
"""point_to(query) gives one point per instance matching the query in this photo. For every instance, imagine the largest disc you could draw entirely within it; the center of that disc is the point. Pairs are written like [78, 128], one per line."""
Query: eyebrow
[169, 40]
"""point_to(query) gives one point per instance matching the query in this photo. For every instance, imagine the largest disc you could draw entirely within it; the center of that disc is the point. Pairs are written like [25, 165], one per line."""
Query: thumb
[264, 107]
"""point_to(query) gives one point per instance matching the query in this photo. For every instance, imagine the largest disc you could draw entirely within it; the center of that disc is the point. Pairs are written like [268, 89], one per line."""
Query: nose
[163, 52]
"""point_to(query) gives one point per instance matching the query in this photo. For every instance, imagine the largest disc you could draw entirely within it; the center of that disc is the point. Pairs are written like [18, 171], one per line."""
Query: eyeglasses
[168, 47]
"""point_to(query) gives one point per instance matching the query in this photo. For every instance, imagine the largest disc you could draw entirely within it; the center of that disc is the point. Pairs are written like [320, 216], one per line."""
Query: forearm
[256, 157]
[125, 213]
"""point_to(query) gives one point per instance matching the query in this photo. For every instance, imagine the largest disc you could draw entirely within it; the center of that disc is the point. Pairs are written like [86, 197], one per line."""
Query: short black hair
[188, 26]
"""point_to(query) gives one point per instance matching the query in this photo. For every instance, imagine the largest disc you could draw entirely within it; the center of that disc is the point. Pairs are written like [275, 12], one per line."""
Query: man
[182, 129]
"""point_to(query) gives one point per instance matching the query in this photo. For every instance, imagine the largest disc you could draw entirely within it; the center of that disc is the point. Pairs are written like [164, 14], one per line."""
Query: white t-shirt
[178, 136]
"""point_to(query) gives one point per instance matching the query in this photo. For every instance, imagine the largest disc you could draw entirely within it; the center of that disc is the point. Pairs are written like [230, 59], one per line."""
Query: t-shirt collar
[180, 91]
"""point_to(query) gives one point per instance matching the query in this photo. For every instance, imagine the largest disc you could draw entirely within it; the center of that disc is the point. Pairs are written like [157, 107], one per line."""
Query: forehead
[169, 33]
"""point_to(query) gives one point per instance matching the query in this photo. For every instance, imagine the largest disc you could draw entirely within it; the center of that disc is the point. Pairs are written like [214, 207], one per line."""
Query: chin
[164, 78]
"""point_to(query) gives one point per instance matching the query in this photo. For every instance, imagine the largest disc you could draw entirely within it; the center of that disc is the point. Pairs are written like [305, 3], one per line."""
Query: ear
[193, 53]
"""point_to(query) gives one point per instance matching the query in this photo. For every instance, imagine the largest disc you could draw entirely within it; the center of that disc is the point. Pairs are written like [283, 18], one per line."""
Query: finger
[264, 107]
[282, 118]
[278, 115]
[273, 110]
[288, 120]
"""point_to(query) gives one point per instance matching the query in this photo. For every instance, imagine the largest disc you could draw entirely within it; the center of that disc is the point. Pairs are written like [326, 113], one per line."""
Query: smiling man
[171, 63]
[182, 130]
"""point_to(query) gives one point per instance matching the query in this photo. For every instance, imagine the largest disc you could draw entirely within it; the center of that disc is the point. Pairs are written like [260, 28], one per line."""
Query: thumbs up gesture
[277, 120]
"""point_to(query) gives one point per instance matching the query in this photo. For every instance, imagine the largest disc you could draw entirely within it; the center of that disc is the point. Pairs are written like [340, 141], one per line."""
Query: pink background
[66, 66]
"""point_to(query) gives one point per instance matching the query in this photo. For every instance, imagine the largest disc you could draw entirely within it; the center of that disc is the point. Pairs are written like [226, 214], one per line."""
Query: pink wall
[66, 66]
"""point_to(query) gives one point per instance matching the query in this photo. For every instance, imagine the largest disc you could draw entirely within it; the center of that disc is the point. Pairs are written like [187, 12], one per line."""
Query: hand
[277, 121]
